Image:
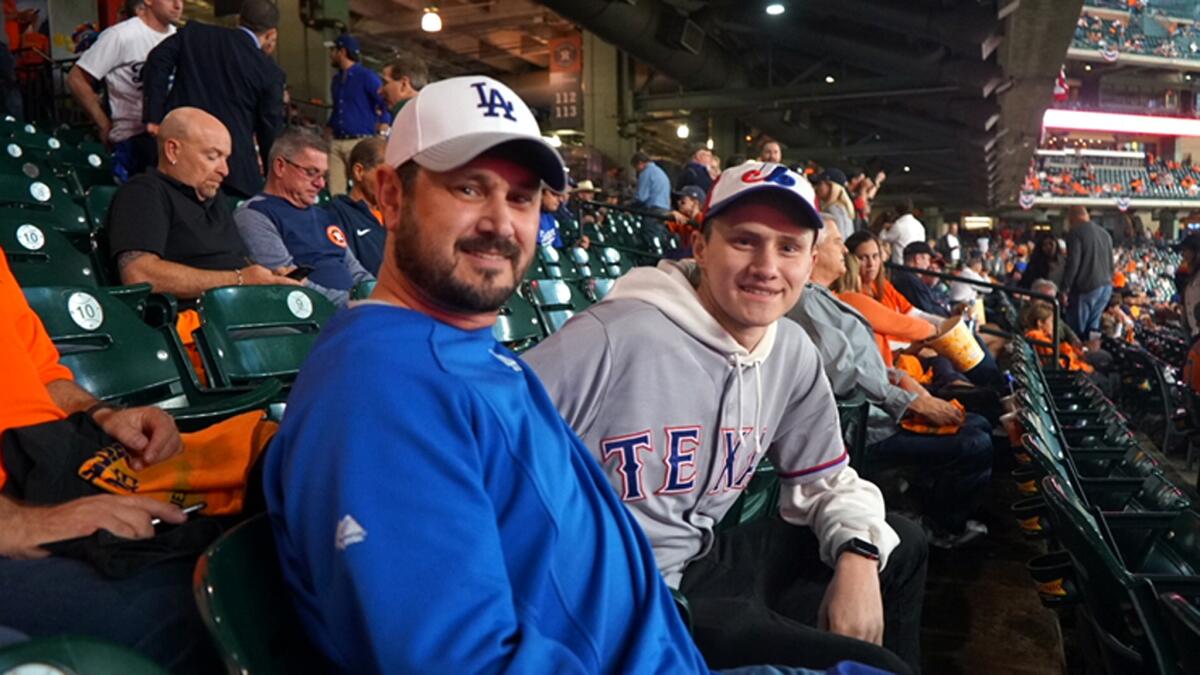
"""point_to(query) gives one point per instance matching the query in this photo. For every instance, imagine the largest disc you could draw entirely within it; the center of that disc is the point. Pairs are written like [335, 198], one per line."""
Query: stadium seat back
[44, 201]
[362, 290]
[556, 300]
[251, 333]
[517, 325]
[112, 353]
[40, 256]
[246, 605]
[74, 654]
[1183, 620]
[98, 201]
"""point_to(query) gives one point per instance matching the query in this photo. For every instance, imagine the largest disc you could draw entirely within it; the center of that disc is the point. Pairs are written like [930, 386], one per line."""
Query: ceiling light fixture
[776, 8]
[829, 79]
[1087, 66]
[683, 131]
[431, 21]
[907, 169]
[709, 144]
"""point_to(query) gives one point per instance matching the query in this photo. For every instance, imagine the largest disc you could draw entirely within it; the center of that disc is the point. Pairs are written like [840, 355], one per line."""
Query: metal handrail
[1011, 290]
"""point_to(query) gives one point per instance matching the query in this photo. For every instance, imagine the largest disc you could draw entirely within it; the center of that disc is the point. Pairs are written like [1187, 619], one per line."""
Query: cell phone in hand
[300, 273]
[187, 511]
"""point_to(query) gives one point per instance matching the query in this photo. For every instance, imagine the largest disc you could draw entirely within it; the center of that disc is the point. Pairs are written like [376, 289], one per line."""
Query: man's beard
[435, 275]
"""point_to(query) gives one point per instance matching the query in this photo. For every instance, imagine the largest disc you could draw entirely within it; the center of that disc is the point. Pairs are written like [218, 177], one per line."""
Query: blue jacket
[311, 238]
[357, 105]
[919, 293]
[548, 234]
[696, 174]
[364, 234]
[434, 513]
[654, 188]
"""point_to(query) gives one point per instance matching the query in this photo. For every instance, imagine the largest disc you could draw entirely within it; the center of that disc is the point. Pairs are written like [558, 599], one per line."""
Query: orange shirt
[887, 323]
[1070, 358]
[28, 360]
[891, 298]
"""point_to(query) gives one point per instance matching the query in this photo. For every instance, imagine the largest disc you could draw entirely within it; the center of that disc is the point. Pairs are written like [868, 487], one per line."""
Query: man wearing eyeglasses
[282, 226]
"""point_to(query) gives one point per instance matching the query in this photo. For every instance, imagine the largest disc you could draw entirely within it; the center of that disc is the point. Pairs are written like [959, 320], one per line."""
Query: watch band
[860, 547]
[100, 405]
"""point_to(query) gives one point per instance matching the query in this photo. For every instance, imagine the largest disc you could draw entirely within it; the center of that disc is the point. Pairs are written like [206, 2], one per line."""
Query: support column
[303, 56]
[725, 140]
[605, 93]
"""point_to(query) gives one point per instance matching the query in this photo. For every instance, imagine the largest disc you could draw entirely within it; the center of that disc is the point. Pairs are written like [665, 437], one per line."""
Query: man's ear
[699, 244]
[390, 196]
[171, 150]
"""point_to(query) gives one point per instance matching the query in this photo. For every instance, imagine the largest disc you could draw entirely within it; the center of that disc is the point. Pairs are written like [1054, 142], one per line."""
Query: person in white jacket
[681, 381]
[904, 230]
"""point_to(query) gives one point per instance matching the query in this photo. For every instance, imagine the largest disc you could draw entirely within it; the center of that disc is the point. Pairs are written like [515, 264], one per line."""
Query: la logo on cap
[492, 99]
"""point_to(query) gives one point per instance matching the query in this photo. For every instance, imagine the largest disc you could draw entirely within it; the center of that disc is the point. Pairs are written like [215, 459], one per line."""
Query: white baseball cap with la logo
[451, 122]
[750, 178]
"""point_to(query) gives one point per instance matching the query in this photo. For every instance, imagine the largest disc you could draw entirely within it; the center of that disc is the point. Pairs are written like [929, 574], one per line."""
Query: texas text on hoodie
[658, 390]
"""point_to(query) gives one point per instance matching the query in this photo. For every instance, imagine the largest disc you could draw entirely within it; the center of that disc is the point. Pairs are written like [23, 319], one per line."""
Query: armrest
[213, 408]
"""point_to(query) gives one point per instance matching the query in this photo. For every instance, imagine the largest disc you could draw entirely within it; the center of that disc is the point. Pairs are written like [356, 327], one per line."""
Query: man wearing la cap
[433, 512]
[358, 108]
[681, 381]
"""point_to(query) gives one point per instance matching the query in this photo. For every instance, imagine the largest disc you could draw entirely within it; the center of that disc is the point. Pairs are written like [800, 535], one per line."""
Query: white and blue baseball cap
[738, 182]
[451, 122]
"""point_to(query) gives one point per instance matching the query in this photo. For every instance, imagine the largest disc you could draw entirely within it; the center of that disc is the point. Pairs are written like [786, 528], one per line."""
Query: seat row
[1122, 561]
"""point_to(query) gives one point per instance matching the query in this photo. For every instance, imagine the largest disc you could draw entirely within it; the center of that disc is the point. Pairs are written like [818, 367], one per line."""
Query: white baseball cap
[451, 122]
[750, 178]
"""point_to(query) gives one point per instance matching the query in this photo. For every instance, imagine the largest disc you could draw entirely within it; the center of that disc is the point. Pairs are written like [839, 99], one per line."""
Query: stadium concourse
[581, 336]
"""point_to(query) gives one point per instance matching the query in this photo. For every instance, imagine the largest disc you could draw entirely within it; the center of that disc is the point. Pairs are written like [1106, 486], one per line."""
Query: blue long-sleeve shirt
[434, 513]
[357, 106]
[654, 188]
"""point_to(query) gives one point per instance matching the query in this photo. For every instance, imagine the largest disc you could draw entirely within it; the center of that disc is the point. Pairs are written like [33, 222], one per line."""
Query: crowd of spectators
[426, 482]
[1154, 177]
[1179, 39]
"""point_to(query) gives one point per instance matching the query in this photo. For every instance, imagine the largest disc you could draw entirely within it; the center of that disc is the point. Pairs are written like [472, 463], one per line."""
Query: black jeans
[959, 466]
[756, 595]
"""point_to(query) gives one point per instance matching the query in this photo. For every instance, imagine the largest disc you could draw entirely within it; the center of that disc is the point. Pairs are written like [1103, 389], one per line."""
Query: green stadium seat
[247, 608]
[74, 654]
[615, 263]
[556, 301]
[86, 167]
[550, 261]
[759, 500]
[517, 325]
[44, 201]
[97, 201]
[362, 290]
[249, 334]
[596, 288]
[1183, 620]
[40, 256]
[853, 412]
[117, 357]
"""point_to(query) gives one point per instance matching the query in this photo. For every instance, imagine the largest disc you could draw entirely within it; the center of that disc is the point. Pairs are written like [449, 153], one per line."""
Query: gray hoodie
[658, 390]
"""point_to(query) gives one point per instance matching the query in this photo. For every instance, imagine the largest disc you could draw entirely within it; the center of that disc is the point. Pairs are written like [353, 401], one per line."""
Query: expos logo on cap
[737, 182]
[453, 121]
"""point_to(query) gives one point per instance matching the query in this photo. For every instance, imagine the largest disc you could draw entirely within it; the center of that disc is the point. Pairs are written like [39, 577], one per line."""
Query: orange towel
[212, 467]
[920, 425]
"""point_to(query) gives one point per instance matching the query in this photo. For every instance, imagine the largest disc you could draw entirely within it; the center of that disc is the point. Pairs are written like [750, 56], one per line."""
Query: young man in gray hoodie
[681, 381]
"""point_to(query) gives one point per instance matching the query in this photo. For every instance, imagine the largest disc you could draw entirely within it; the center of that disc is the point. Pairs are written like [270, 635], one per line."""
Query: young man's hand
[853, 603]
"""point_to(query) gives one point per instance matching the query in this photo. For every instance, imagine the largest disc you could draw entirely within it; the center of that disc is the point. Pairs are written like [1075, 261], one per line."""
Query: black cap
[833, 175]
[917, 248]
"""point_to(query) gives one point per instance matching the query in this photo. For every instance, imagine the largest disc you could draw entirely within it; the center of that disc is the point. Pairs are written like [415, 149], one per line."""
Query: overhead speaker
[681, 32]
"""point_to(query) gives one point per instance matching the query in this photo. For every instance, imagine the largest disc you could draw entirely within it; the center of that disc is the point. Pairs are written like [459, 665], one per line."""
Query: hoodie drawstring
[740, 366]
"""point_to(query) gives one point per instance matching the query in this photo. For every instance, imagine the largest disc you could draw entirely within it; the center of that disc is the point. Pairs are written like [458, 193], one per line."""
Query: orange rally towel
[212, 467]
[912, 365]
[920, 425]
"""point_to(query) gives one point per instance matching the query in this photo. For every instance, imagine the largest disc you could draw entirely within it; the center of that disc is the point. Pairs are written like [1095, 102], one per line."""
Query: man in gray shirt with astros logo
[681, 381]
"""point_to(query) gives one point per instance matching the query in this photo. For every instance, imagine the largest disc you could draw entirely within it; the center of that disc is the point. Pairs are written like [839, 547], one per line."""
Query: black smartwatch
[859, 547]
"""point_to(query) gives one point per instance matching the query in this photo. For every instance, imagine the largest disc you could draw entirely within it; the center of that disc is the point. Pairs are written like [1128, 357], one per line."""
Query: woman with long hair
[868, 251]
[889, 325]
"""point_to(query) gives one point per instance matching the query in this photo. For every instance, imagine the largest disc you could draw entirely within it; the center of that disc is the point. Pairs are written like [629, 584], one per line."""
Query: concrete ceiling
[952, 89]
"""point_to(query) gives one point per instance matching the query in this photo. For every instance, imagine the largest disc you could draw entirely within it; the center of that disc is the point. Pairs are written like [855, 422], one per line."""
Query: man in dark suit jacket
[227, 72]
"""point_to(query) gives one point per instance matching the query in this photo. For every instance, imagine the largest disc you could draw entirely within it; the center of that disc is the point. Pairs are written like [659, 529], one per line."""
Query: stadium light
[1079, 120]
[776, 8]
[683, 131]
[431, 21]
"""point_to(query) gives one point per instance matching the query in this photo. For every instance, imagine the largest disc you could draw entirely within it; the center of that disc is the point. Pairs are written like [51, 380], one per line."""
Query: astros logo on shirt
[336, 235]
